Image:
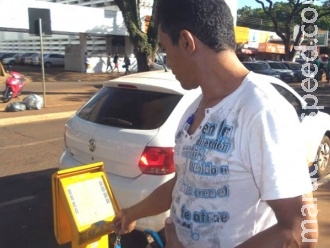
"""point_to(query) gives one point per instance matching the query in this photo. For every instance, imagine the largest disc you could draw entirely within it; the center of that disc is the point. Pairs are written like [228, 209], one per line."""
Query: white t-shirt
[245, 152]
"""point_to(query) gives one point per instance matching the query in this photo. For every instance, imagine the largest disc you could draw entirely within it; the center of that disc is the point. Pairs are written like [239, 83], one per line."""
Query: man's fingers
[116, 222]
[169, 222]
[121, 224]
[171, 236]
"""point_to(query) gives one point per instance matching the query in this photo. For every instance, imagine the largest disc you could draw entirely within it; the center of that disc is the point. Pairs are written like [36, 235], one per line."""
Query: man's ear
[186, 41]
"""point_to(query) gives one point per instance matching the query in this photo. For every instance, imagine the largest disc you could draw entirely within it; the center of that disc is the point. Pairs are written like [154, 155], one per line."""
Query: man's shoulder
[259, 90]
[259, 79]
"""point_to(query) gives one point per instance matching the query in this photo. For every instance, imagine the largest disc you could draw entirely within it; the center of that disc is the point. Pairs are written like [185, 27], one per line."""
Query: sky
[251, 3]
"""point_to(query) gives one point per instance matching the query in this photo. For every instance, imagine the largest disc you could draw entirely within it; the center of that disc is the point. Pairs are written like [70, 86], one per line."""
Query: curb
[43, 117]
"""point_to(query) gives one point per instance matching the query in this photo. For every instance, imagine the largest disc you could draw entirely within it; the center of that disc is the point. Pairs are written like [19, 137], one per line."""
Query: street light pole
[42, 61]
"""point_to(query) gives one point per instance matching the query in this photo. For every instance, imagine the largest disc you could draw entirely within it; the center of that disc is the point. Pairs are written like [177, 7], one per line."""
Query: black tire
[296, 79]
[323, 158]
[48, 64]
[7, 95]
[12, 62]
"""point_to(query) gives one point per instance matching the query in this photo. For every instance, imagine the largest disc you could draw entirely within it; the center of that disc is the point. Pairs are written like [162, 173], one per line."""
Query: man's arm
[157, 202]
[296, 227]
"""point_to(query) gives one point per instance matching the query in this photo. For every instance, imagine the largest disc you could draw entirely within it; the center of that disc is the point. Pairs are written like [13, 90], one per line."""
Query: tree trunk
[145, 44]
[142, 61]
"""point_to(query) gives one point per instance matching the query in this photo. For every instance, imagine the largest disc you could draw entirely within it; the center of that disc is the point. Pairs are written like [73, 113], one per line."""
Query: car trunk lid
[119, 149]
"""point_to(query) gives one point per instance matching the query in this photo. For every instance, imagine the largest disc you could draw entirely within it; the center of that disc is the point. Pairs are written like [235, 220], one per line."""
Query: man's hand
[172, 240]
[122, 223]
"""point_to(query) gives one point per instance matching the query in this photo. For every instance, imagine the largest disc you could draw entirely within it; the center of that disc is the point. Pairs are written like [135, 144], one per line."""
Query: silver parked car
[20, 58]
[50, 59]
[261, 68]
[28, 59]
[10, 60]
[300, 70]
[286, 74]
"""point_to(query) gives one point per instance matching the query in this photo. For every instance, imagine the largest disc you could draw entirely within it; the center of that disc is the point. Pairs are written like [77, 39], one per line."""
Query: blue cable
[156, 238]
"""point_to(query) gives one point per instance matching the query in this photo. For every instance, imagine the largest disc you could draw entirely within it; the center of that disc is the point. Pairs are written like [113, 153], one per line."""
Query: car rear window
[296, 66]
[258, 66]
[129, 108]
[276, 65]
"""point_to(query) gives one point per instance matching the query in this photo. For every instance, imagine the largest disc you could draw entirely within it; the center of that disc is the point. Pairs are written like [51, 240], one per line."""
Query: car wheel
[48, 64]
[322, 159]
[296, 79]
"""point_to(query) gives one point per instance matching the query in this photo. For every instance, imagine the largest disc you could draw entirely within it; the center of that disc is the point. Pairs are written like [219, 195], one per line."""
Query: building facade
[109, 4]
[103, 37]
[96, 44]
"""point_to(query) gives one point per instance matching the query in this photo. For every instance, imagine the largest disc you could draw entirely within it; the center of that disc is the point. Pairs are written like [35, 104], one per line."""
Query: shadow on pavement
[26, 213]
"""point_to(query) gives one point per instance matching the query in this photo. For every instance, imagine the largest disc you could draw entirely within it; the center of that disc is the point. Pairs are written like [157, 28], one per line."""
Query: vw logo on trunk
[92, 145]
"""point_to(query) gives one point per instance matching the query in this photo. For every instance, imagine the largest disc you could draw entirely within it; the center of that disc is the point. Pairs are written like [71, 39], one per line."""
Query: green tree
[285, 15]
[253, 18]
[145, 44]
[324, 22]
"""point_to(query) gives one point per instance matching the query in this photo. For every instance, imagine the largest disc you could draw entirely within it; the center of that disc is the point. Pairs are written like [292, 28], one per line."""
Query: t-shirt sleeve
[276, 153]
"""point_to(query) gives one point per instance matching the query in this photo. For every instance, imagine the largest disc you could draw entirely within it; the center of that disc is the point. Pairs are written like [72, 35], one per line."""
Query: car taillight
[157, 161]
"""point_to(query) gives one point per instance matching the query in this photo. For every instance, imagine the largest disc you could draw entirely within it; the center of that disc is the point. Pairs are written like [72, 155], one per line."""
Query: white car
[130, 126]
[10, 60]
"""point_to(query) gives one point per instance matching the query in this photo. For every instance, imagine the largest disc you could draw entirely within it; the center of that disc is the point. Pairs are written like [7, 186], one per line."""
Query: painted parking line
[18, 200]
[30, 144]
[34, 118]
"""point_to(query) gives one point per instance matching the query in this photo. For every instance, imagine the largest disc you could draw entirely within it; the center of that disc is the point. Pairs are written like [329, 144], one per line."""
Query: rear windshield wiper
[116, 121]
